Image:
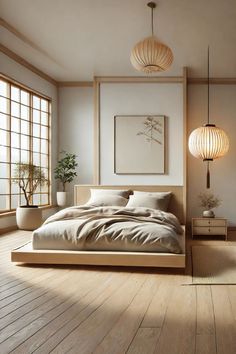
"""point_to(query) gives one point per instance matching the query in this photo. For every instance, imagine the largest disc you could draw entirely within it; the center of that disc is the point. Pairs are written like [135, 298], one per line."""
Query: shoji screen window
[24, 138]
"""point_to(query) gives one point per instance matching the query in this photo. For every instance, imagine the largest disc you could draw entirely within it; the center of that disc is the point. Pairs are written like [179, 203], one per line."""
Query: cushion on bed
[118, 192]
[158, 200]
[107, 200]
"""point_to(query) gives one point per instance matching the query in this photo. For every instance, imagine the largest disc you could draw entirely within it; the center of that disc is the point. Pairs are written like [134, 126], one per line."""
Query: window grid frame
[25, 120]
[47, 154]
[23, 104]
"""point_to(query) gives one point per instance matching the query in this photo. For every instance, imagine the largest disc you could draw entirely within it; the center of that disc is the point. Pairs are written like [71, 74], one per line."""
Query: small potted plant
[208, 201]
[65, 172]
[28, 177]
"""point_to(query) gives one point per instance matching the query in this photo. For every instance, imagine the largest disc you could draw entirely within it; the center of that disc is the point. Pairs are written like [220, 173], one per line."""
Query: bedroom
[68, 62]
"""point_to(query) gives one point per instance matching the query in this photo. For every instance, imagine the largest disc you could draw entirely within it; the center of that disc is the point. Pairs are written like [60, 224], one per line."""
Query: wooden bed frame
[27, 254]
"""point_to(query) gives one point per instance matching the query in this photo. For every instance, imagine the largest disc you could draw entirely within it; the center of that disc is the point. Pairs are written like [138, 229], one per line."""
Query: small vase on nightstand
[208, 213]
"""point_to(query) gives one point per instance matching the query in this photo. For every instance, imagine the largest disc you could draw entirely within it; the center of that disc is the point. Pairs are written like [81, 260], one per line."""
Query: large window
[24, 138]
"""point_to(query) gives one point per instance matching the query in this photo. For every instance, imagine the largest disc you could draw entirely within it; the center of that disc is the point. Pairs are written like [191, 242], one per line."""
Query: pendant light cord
[208, 86]
[208, 117]
[152, 20]
[208, 181]
[152, 6]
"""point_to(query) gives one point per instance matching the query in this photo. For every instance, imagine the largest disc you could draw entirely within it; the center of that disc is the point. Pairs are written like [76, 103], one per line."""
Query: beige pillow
[158, 200]
[119, 192]
[107, 200]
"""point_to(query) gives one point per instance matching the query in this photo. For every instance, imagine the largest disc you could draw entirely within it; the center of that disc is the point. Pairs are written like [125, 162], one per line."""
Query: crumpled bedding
[110, 229]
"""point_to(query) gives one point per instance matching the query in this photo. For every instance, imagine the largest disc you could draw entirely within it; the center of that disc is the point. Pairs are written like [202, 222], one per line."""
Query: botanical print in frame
[139, 144]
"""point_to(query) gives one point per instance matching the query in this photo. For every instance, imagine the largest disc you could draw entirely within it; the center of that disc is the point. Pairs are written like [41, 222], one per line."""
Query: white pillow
[153, 194]
[119, 192]
[158, 200]
[107, 200]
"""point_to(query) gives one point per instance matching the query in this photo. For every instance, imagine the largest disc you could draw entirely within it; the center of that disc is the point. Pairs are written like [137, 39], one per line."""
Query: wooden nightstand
[209, 226]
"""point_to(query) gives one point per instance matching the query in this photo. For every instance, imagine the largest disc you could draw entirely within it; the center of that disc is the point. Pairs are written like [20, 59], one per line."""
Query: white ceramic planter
[61, 199]
[208, 214]
[28, 218]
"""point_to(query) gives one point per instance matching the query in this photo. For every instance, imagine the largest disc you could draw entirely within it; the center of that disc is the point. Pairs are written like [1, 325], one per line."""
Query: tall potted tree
[28, 177]
[65, 172]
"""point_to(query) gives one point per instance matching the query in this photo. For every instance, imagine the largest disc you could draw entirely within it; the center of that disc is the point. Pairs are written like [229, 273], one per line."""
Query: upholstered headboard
[177, 204]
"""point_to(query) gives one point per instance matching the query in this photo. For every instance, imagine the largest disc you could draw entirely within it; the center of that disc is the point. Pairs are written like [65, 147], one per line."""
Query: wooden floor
[110, 310]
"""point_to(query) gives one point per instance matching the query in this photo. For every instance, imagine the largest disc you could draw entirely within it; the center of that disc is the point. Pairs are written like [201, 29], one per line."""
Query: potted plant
[65, 172]
[208, 201]
[28, 177]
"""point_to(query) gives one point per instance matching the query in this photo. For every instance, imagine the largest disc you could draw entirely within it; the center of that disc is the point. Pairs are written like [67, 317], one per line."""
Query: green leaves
[66, 169]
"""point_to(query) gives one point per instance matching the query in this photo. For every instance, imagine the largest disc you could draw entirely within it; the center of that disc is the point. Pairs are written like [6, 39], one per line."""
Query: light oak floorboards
[224, 321]
[103, 310]
[205, 344]
[144, 341]
[205, 311]
[126, 327]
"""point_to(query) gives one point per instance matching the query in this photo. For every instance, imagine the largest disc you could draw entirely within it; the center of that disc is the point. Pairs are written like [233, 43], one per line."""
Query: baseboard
[4, 230]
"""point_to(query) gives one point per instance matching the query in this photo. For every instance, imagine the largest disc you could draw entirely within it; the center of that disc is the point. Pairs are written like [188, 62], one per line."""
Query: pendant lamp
[208, 142]
[150, 55]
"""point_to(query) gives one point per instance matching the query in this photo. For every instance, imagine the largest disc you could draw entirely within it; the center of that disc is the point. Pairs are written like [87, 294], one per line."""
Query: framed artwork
[139, 144]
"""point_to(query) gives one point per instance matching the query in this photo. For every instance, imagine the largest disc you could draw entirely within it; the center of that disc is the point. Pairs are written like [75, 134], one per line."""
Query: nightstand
[209, 226]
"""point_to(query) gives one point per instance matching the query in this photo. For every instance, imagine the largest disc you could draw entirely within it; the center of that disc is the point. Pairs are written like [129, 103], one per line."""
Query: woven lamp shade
[150, 55]
[208, 142]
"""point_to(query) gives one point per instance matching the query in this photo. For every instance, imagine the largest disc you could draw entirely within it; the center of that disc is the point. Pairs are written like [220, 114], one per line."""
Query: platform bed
[26, 254]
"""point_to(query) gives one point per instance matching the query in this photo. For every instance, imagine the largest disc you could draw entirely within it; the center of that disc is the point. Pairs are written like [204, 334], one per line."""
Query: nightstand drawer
[202, 230]
[209, 222]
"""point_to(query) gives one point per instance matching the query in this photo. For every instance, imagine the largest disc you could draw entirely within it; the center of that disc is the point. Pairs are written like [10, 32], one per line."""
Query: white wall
[223, 171]
[76, 130]
[18, 72]
[146, 99]
[76, 117]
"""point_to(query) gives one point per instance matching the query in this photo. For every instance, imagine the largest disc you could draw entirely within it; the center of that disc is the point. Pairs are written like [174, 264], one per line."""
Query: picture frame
[139, 144]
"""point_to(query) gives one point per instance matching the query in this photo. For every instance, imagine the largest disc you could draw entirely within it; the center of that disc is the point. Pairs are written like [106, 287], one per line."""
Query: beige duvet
[110, 228]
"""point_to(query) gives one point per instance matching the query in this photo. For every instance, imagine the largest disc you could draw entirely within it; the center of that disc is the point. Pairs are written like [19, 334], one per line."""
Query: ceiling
[74, 40]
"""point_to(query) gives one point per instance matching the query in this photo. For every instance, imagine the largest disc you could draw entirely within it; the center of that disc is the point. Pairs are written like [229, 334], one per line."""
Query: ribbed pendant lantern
[150, 55]
[208, 142]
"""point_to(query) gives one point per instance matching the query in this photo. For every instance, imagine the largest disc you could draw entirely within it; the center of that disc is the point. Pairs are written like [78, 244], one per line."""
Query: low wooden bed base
[26, 254]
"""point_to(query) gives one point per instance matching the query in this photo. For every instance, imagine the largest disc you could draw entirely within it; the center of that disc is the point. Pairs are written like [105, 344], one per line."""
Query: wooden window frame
[30, 135]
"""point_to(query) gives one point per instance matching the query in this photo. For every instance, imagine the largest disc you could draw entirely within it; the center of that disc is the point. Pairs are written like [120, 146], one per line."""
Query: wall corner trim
[26, 64]
[75, 84]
